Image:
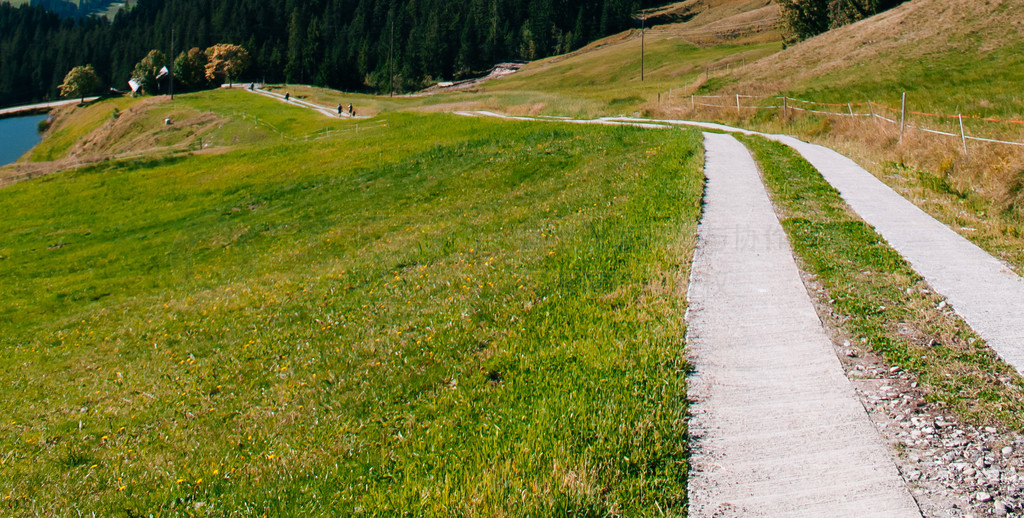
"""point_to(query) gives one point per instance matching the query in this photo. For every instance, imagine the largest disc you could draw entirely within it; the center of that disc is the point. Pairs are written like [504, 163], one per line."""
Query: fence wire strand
[851, 113]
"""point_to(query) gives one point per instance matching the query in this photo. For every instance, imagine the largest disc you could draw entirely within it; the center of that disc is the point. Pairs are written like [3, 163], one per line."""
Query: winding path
[778, 428]
[983, 290]
[14, 111]
[306, 104]
[980, 288]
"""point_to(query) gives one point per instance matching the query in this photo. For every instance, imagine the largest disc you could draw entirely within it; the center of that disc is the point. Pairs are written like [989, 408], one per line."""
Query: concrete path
[32, 108]
[306, 104]
[980, 288]
[778, 429]
[983, 290]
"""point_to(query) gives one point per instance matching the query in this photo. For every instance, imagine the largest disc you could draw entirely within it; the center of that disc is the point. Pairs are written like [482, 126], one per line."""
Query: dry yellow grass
[950, 56]
[918, 30]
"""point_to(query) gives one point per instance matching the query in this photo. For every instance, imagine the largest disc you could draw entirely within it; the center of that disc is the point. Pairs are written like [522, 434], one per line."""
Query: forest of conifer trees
[344, 44]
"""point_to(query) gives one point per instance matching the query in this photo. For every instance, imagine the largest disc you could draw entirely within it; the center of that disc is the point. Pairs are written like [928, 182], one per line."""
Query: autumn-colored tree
[226, 61]
[80, 82]
[190, 68]
[146, 71]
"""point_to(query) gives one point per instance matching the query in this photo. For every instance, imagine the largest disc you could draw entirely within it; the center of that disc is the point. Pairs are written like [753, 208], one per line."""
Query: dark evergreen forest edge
[344, 44]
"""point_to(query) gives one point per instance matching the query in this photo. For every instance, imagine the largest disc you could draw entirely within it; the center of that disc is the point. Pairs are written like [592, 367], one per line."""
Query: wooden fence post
[963, 136]
[903, 116]
[692, 105]
[737, 104]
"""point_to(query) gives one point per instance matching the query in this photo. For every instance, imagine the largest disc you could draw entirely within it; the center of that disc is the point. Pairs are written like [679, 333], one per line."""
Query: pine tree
[190, 68]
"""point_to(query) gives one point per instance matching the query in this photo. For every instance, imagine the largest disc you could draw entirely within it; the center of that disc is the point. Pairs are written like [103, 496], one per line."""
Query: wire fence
[870, 109]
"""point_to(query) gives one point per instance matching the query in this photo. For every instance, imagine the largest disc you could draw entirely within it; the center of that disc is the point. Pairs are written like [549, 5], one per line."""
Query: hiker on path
[351, 111]
[287, 96]
[339, 109]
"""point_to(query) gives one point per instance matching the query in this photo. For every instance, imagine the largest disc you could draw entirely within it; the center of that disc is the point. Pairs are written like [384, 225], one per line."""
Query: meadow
[445, 316]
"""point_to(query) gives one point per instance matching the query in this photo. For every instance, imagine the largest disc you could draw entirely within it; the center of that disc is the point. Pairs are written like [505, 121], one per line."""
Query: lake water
[18, 135]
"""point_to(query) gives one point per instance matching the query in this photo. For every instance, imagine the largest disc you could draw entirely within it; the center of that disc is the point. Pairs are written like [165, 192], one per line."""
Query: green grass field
[222, 119]
[439, 316]
[447, 316]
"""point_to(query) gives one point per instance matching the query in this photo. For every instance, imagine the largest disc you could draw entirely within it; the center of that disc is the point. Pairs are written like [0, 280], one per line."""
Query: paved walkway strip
[982, 289]
[778, 428]
[30, 108]
[305, 104]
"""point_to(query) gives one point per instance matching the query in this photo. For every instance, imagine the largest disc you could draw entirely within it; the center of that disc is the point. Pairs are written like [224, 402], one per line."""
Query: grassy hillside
[944, 53]
[949, 56]
[204, 122]
[605, 77]
[446, 316]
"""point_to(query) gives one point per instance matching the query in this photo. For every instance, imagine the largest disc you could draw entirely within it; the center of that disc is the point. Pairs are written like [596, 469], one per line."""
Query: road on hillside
[29, 108]
[306, 104]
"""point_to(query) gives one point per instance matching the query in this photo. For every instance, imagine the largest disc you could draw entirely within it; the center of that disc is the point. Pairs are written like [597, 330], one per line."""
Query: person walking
[339, 109]
[287, 96]
[351, 111]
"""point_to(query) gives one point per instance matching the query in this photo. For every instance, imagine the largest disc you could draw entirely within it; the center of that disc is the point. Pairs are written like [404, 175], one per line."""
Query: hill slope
[950, 57]
[609, 77]
[445, 316]
[943, 52]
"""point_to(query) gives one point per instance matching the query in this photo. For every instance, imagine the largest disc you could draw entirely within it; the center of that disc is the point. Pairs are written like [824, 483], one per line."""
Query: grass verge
[448, 316]
[880, 301]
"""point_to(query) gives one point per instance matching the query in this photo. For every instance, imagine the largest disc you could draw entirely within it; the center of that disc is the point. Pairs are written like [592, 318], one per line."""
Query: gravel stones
[946, 464]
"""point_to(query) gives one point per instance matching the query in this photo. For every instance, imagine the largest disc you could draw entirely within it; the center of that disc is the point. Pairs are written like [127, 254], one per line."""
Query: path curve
[306, 104]
[983, 290]
[14, 111]
[778, 429]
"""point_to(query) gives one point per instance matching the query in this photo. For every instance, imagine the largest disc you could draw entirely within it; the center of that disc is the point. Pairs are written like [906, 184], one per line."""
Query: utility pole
[643, 21]
[391, 59]
[170, 66]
